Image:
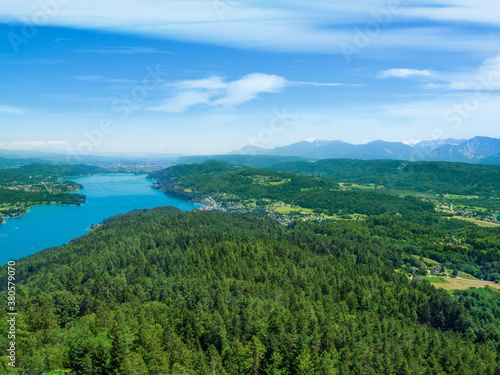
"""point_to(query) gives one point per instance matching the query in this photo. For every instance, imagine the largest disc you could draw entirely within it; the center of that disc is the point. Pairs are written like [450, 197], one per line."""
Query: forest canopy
[165, 292]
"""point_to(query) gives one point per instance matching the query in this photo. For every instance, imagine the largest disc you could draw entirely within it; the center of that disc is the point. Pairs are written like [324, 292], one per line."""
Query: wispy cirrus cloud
[324, 84]
[40, 144]
[485, 78]
[292, 25]
[404, 73]
[248, 88]
[9, 110]
[91, 78]
[34, 62]
[182, 102]
[122, 50]
[215, 91]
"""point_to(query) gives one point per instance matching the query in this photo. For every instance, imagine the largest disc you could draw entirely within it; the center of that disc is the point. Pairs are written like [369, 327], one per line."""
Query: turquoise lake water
[54, 225]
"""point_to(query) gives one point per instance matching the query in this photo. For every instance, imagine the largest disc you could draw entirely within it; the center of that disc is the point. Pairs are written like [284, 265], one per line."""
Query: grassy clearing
[464, 275]
[455, 196]
[479, 223]
[410, 193]
[7, 208]
[457, 284]
[363, 187]
[278, 182]
[286, 209]
[434, 279]
[427, 261]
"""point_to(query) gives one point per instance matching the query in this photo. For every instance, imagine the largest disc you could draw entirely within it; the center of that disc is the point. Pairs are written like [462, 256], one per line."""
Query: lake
[53, 225]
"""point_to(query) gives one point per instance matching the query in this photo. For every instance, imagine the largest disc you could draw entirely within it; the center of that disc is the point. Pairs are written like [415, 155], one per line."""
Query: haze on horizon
[206, 77]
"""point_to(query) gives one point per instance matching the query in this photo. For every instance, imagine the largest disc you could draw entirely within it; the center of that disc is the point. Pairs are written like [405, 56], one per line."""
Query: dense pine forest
[436, 177]
[329, 291]
[165, 292]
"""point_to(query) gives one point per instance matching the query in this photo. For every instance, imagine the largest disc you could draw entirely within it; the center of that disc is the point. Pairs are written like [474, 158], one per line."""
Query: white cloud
[326, 84]
[34, 61]
[39, 144]
[404, 73]
[90, 78]
[7, 109]
[292, 25]
[249, 87]
[412, 142]
[212, 83]
[122, 50]
[485, 78]
[182, 101]
[215, 91]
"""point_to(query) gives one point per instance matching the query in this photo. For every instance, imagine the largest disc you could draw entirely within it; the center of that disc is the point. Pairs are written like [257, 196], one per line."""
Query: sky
[210, 77]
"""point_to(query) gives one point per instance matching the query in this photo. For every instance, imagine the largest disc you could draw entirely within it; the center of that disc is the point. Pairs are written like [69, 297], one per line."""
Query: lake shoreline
[50, 225]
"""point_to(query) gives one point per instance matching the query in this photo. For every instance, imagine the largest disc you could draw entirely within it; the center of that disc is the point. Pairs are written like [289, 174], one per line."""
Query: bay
[53, 225]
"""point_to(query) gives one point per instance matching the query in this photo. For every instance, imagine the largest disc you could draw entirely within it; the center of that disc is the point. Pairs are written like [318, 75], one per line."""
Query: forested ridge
[436, 177]
[165, 292]
[197, 181]
[42, 197]
[33, 184]
[476, 250]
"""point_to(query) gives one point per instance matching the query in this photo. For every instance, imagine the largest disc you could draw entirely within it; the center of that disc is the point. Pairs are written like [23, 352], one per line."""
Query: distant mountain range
[478, 150]
[16, 158]
[481, 150]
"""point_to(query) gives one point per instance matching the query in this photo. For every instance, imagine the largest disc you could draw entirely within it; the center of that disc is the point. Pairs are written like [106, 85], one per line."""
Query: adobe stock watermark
[458, 112]
[222, 8]
[11, 314]
[120, 109]
[278, 123]
[30, 28]
[364, 36]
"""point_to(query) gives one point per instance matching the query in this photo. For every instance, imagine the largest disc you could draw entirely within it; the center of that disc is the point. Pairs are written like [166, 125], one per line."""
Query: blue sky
[201, 77]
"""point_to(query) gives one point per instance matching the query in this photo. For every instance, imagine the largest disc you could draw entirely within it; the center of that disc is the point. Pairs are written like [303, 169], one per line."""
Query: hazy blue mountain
[491, 160]
[321, 149]
[427, 146]
[317, 148]
[16, 163]
[451, 150]
[252, 161]
[470, 151]
[30, 154]
[62, 157]
[250, 150]
[383, 150]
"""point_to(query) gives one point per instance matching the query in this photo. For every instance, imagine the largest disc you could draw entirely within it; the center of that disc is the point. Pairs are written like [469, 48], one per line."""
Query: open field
[7, 208]
[286, 209]
[479, 223]
[454, 284]
[467, 276]
[455, 196]
[434, 279]
[357, 186]
[427, 261]
[417, 194]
